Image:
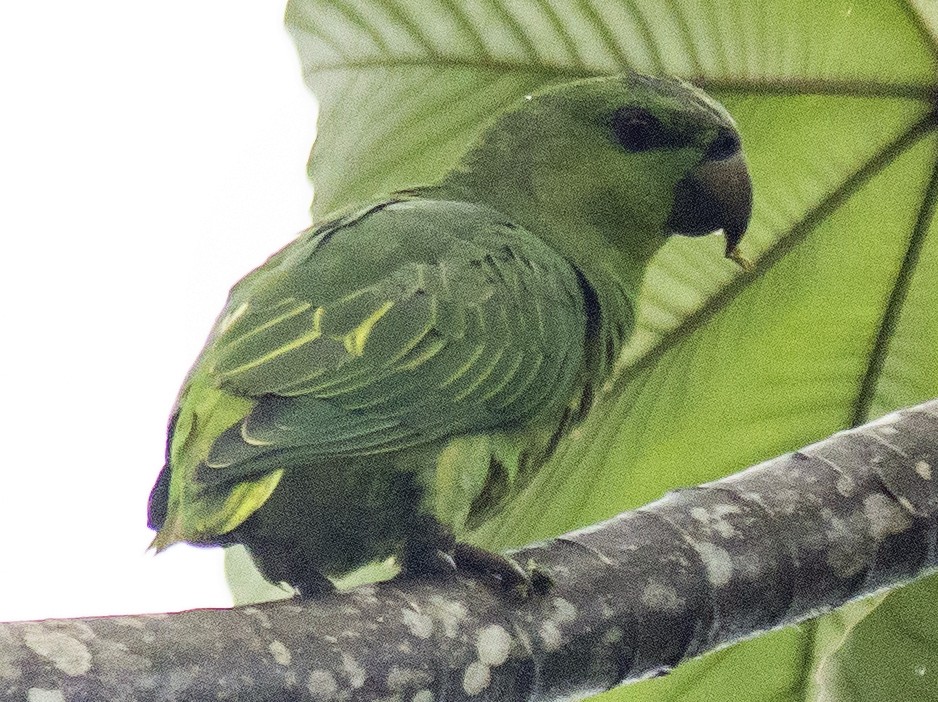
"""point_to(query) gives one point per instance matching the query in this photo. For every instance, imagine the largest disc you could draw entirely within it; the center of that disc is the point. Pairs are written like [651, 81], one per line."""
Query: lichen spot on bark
[717, 561]
[884, 517]
[493, 645]
[281, 654]
[65, 652]
[322, 686]
[38, 694]
[476, 678]
[420, 625]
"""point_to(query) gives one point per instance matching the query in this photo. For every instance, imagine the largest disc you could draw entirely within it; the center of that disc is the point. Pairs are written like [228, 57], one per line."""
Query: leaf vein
[897, 297]
[768, 85]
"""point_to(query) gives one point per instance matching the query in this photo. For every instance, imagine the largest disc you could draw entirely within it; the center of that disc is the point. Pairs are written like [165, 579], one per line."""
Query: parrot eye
[638, 130]
[724, 146]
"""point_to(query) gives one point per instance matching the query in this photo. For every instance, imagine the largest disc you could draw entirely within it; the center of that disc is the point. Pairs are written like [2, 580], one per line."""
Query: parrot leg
[436, 552]
[313, 584]
[429, 553]
[287, 562]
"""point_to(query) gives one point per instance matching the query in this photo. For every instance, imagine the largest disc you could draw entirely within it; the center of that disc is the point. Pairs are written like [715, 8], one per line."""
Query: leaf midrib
[897, 297]
[769, 85]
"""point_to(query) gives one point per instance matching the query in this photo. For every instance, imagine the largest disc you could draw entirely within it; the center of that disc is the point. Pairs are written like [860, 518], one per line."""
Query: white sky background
[150, 155]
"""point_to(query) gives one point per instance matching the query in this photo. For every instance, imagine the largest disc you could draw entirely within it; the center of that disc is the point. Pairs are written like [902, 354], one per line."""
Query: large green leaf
[837, 324]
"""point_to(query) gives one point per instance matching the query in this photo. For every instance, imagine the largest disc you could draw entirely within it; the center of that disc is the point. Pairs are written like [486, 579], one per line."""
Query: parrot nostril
[725, 146]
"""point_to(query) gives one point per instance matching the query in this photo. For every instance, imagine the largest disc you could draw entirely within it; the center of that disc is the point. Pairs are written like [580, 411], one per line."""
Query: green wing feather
[397, 327]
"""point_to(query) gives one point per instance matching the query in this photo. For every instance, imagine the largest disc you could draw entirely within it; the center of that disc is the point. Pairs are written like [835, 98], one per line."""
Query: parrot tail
[159, 500]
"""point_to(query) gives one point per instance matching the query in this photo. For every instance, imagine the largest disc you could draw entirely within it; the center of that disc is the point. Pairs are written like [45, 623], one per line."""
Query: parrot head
[716, 193]
[646, 156]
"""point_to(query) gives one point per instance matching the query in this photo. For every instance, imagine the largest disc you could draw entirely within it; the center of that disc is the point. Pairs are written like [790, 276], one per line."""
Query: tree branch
[698, 569]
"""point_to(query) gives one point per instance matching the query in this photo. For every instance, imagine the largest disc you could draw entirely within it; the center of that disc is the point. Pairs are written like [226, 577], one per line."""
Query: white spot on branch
[563, 610]
[449, 613]
[322, 685]
[356, 674]
[476, 678]
[613, 636]
[400, 678]
[493, 645]
[280, 652]
[717, 561]
[66, 653]
[714, 519]
[550, 636]
[885, 518]
[845, 485]
[38, 694]
[847, 552]
[259, 615]
[366, 594]
[661, 597]
[420, 625]
[923, 470]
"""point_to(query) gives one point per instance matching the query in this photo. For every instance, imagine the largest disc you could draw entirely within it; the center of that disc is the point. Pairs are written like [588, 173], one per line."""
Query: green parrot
[381, 385]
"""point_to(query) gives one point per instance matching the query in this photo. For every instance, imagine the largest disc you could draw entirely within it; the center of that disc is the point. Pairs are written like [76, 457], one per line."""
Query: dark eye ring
[638, 130]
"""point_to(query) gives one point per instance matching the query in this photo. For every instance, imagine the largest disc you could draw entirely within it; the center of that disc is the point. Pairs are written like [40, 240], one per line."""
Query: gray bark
[698, 569]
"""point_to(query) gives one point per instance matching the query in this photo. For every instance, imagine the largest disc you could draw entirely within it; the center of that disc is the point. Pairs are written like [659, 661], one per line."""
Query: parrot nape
[380, 385]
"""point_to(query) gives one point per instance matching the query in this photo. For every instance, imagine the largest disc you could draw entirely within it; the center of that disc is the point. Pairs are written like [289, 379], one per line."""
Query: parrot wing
[401, 325]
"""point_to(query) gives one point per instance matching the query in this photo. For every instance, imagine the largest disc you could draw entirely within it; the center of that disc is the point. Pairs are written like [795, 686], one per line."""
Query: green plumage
[393, 375]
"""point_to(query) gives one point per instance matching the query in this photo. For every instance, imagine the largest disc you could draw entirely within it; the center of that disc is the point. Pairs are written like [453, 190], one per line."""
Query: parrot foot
[430, 554]
[541, 581]
[284, 561]
[313, 584]
[527, 582]
[438, 554]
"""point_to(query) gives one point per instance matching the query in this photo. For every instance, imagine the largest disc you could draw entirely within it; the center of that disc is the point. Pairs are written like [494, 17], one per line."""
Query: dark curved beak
[717, 194]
